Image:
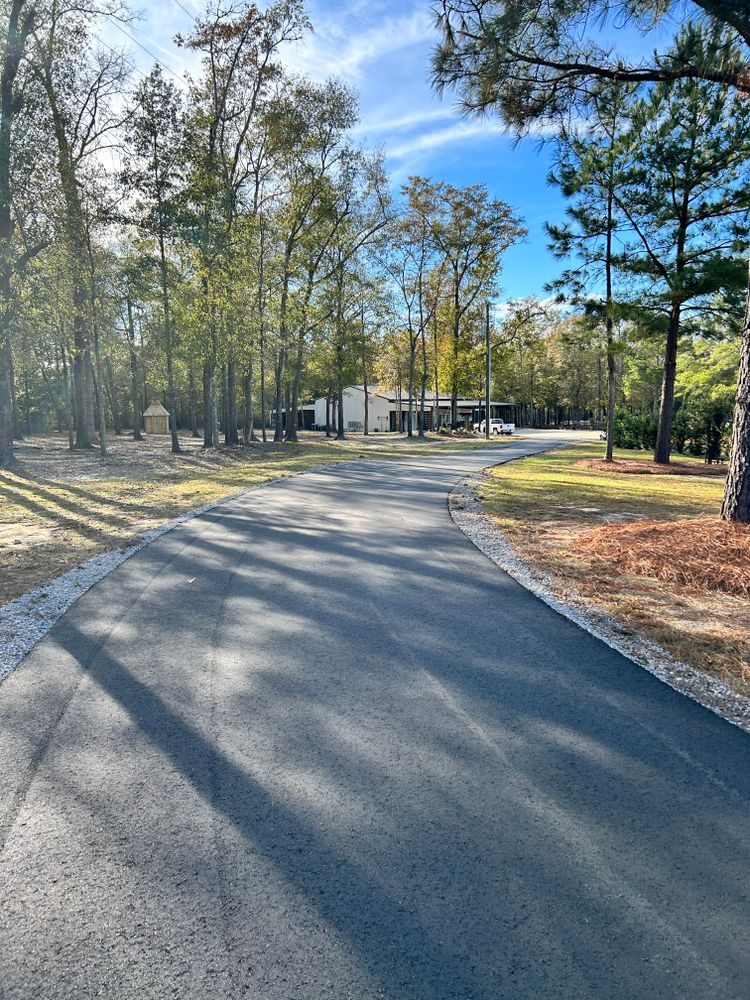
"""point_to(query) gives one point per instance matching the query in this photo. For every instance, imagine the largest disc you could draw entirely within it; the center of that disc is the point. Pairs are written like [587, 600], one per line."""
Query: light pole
[488, 371]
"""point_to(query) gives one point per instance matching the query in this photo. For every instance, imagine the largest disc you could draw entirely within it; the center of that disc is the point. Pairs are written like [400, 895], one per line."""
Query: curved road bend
[313, 744]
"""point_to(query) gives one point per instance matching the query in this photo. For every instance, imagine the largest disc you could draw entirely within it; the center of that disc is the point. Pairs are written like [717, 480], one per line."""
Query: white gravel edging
[26, 620]
[468, 514]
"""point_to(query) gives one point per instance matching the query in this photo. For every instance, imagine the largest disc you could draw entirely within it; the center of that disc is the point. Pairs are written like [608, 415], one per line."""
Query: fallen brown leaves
[702, 553]
[647, 548]
[647, 467]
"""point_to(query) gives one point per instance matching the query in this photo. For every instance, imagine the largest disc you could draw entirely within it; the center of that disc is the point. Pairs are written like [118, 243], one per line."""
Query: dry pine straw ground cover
[59, 508]
[643, 543]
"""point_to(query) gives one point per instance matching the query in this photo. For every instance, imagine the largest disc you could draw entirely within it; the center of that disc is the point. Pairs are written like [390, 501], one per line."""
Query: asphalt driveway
[313, 744]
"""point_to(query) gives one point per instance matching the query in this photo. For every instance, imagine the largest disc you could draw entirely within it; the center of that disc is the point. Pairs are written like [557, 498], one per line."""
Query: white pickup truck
[496, 427]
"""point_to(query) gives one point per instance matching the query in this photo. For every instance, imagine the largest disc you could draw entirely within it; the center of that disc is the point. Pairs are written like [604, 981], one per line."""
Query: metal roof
[443, 400]
[156, 410]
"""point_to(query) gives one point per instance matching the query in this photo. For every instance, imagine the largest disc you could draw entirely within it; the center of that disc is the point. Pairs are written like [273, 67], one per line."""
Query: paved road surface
[288, 752]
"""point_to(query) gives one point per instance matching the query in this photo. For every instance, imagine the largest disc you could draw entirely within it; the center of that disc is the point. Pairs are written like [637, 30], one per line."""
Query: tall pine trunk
[666, 408]
[436, 418]
[230, 435]
[278, 430]
[611, 366]
[134, 395]
[193, 402]
[74, 223]
[100, 397]
[81, 385]
[293, 417]
[736, 505]
[409, 412]
[366, 427]
[456, 336]
[213, 407]
[68, 398]
[208, 406]
[18, 26]
[7, 455]
[262, 348]
[248, 433]
[340, 401]
[113, 397]
[423, 385]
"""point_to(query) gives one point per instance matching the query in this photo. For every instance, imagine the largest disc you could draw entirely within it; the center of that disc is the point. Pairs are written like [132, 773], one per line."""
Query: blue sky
[382, 48]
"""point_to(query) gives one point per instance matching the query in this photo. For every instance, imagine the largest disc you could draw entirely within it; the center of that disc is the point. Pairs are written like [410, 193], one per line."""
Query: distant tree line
[654, 156]
[222, 246]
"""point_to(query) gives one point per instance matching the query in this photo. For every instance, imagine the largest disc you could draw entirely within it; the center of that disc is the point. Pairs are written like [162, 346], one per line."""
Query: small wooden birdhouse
[156, 419]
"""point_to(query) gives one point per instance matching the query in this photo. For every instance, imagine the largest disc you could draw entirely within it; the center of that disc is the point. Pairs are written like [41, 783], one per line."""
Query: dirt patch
[702, 553]
[647, 467]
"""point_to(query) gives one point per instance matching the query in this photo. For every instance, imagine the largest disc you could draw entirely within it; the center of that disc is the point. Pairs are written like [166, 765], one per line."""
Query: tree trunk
[100, 397]
[366, 426]
[278, 430]
[113, 398]
[134, 400]
[213, 407]
[171, 401]
[209, 441]
[68, 398]
[223, 403]
[278, 434]
[82, 401]
[410, 388]
[422, 385]
[611, 366]
[168, 339]
[328, 413]
[7, 455]
[230, 434]
[611, 390]
[436, 416]
[26, 403]
[18, 26]
[736, 505]
[666, 408]
[248, 432]
[17, 431]
[262, 349]
[193, 403]
[78, 245]
[340, 422]
[456, 335]
[82, 438]
[292, 419]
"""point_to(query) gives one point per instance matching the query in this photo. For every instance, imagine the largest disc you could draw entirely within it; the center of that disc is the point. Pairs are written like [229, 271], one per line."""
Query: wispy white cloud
[335, 51]
[404, 123]
[457, 132]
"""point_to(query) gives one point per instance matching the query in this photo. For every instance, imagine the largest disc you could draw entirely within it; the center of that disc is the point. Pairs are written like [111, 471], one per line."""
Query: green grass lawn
[553, 485]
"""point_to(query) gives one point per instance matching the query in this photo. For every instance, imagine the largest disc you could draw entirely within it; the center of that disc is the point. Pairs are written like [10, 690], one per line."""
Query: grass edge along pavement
[33, 609]
[648, 551]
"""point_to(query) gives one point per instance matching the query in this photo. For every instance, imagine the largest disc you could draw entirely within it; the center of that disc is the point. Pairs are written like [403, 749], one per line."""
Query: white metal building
[378, 410]
[383, 407]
